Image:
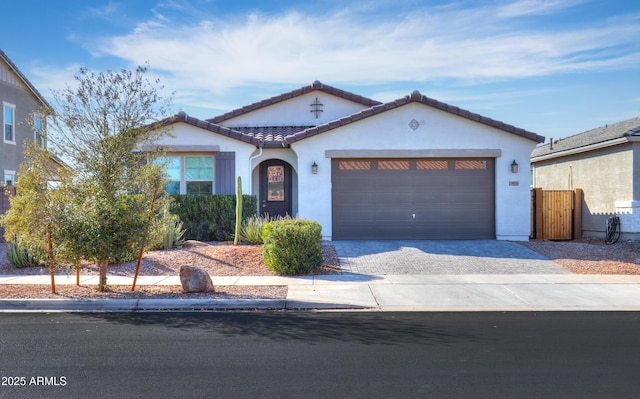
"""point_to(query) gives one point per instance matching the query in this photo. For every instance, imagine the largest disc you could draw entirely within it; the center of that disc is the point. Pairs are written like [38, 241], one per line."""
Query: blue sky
[554, 67]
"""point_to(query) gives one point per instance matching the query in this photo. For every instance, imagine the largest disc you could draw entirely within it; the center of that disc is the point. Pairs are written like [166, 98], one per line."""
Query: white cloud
[535, 7]
[106, 11]
[49, 79]
[292, 47]
[207, 55]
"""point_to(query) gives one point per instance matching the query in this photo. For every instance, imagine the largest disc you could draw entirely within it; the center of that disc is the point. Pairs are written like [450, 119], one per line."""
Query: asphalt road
[321, 355]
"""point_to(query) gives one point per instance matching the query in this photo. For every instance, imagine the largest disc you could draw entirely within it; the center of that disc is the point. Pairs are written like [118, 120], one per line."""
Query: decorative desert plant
[20, 256]
[174, 238]
[237, 237]
[167, 230]
[252, 227]
[251, 230]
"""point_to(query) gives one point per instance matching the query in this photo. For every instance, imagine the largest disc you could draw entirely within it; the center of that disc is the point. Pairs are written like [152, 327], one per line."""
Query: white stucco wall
[437, 131]
[184, 134]
[297, 112]
[390, 130]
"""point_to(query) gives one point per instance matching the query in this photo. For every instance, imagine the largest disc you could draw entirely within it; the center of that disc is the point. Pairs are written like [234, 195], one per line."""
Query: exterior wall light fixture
[314, 168]
[514, 166]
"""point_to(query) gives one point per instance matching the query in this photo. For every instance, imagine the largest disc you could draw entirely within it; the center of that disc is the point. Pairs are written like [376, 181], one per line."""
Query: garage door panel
[446, 199]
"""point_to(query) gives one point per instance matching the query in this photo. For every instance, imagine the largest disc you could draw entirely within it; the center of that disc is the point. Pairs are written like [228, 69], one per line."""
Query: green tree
[32, 215]
[99, 128]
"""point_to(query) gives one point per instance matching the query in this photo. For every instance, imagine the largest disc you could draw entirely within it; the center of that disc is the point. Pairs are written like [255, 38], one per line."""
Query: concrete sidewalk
[405, 292]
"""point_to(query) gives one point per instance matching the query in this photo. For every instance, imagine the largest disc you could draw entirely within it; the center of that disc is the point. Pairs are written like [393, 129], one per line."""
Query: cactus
[236, 238]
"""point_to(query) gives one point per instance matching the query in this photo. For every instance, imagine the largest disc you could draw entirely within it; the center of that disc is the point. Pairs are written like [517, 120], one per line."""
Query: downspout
[258, 155]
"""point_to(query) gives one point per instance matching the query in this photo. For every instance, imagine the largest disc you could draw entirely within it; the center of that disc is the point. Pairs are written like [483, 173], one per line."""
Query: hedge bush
[293, 246]
[211, 217]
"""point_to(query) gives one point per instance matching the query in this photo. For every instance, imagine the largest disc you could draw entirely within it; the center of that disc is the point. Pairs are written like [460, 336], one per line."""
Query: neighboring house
[21, 118]
[413, 168]
[604, 163]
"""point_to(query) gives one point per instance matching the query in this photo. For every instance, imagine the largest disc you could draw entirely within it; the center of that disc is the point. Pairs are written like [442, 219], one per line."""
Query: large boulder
[195, 280]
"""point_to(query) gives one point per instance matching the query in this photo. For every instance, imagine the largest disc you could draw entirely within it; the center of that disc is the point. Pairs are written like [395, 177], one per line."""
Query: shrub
[292, 246]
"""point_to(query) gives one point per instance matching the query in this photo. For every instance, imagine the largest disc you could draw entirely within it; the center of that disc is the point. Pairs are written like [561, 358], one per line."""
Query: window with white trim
[174, 173]
[188, 174]
[198, 173]
[9, 178]
[38, 125]
[8, 123]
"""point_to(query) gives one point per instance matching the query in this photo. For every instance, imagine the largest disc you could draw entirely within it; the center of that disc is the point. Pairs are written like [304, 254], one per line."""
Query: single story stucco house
[413, 168]
[605, 163]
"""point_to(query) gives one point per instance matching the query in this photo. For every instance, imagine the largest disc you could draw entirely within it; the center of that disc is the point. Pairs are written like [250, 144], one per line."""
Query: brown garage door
[413, 198]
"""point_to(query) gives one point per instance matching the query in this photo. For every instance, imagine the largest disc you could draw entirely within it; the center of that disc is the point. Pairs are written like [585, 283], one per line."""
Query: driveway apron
[441, 257]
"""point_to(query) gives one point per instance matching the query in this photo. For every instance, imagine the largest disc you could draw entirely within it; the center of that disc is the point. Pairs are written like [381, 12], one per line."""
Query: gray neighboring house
[604, 163]
[21, 117]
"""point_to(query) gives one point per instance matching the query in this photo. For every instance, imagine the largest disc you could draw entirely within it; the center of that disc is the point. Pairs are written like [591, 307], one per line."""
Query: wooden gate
[556, 214]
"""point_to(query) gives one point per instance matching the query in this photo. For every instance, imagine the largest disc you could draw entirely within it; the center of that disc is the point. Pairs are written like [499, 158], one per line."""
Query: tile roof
[418, 98]
[266, 136]
[270, 133]
[212, 127]
[282, 136]
[630, 127]
[295, 93]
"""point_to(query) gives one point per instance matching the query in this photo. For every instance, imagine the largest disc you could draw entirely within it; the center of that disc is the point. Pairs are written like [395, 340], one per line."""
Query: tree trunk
[102, 264]
[52, 264]
[78, 272]
[146, 237]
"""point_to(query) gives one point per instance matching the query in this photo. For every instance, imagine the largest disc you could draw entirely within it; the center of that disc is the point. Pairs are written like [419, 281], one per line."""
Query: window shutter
[225, 173]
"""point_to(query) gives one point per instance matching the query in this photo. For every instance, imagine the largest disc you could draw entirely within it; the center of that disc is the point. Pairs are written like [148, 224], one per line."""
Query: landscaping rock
[195, 280]
[193, 243]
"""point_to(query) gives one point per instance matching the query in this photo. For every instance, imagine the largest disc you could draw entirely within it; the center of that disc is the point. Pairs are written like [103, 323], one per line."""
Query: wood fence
[556, 214]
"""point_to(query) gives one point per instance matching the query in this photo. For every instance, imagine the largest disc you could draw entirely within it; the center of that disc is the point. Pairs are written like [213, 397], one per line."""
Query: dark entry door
[275, 188]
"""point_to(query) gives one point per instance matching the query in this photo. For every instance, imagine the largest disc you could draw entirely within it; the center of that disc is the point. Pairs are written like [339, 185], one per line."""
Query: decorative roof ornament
[316, 107]
[414, 124]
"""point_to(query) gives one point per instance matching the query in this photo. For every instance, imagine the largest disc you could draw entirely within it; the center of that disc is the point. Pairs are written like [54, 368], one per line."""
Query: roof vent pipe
[551, 143]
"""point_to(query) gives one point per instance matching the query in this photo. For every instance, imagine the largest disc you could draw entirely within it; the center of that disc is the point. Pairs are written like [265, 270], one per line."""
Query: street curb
[193, 305]
[150, 305]
[137, 305]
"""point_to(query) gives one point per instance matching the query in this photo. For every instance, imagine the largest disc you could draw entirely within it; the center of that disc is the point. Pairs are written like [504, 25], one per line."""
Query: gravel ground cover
[585, 256]
[591, 256]
[218, 259]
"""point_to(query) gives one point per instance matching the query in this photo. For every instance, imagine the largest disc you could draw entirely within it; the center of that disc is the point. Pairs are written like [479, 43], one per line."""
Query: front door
[275, 188]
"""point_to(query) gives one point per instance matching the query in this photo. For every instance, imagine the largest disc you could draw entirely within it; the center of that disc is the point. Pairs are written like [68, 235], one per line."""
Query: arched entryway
[275, 188]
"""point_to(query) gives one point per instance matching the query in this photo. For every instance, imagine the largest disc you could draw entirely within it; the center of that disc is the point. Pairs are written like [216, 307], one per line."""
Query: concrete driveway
[440, 257]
